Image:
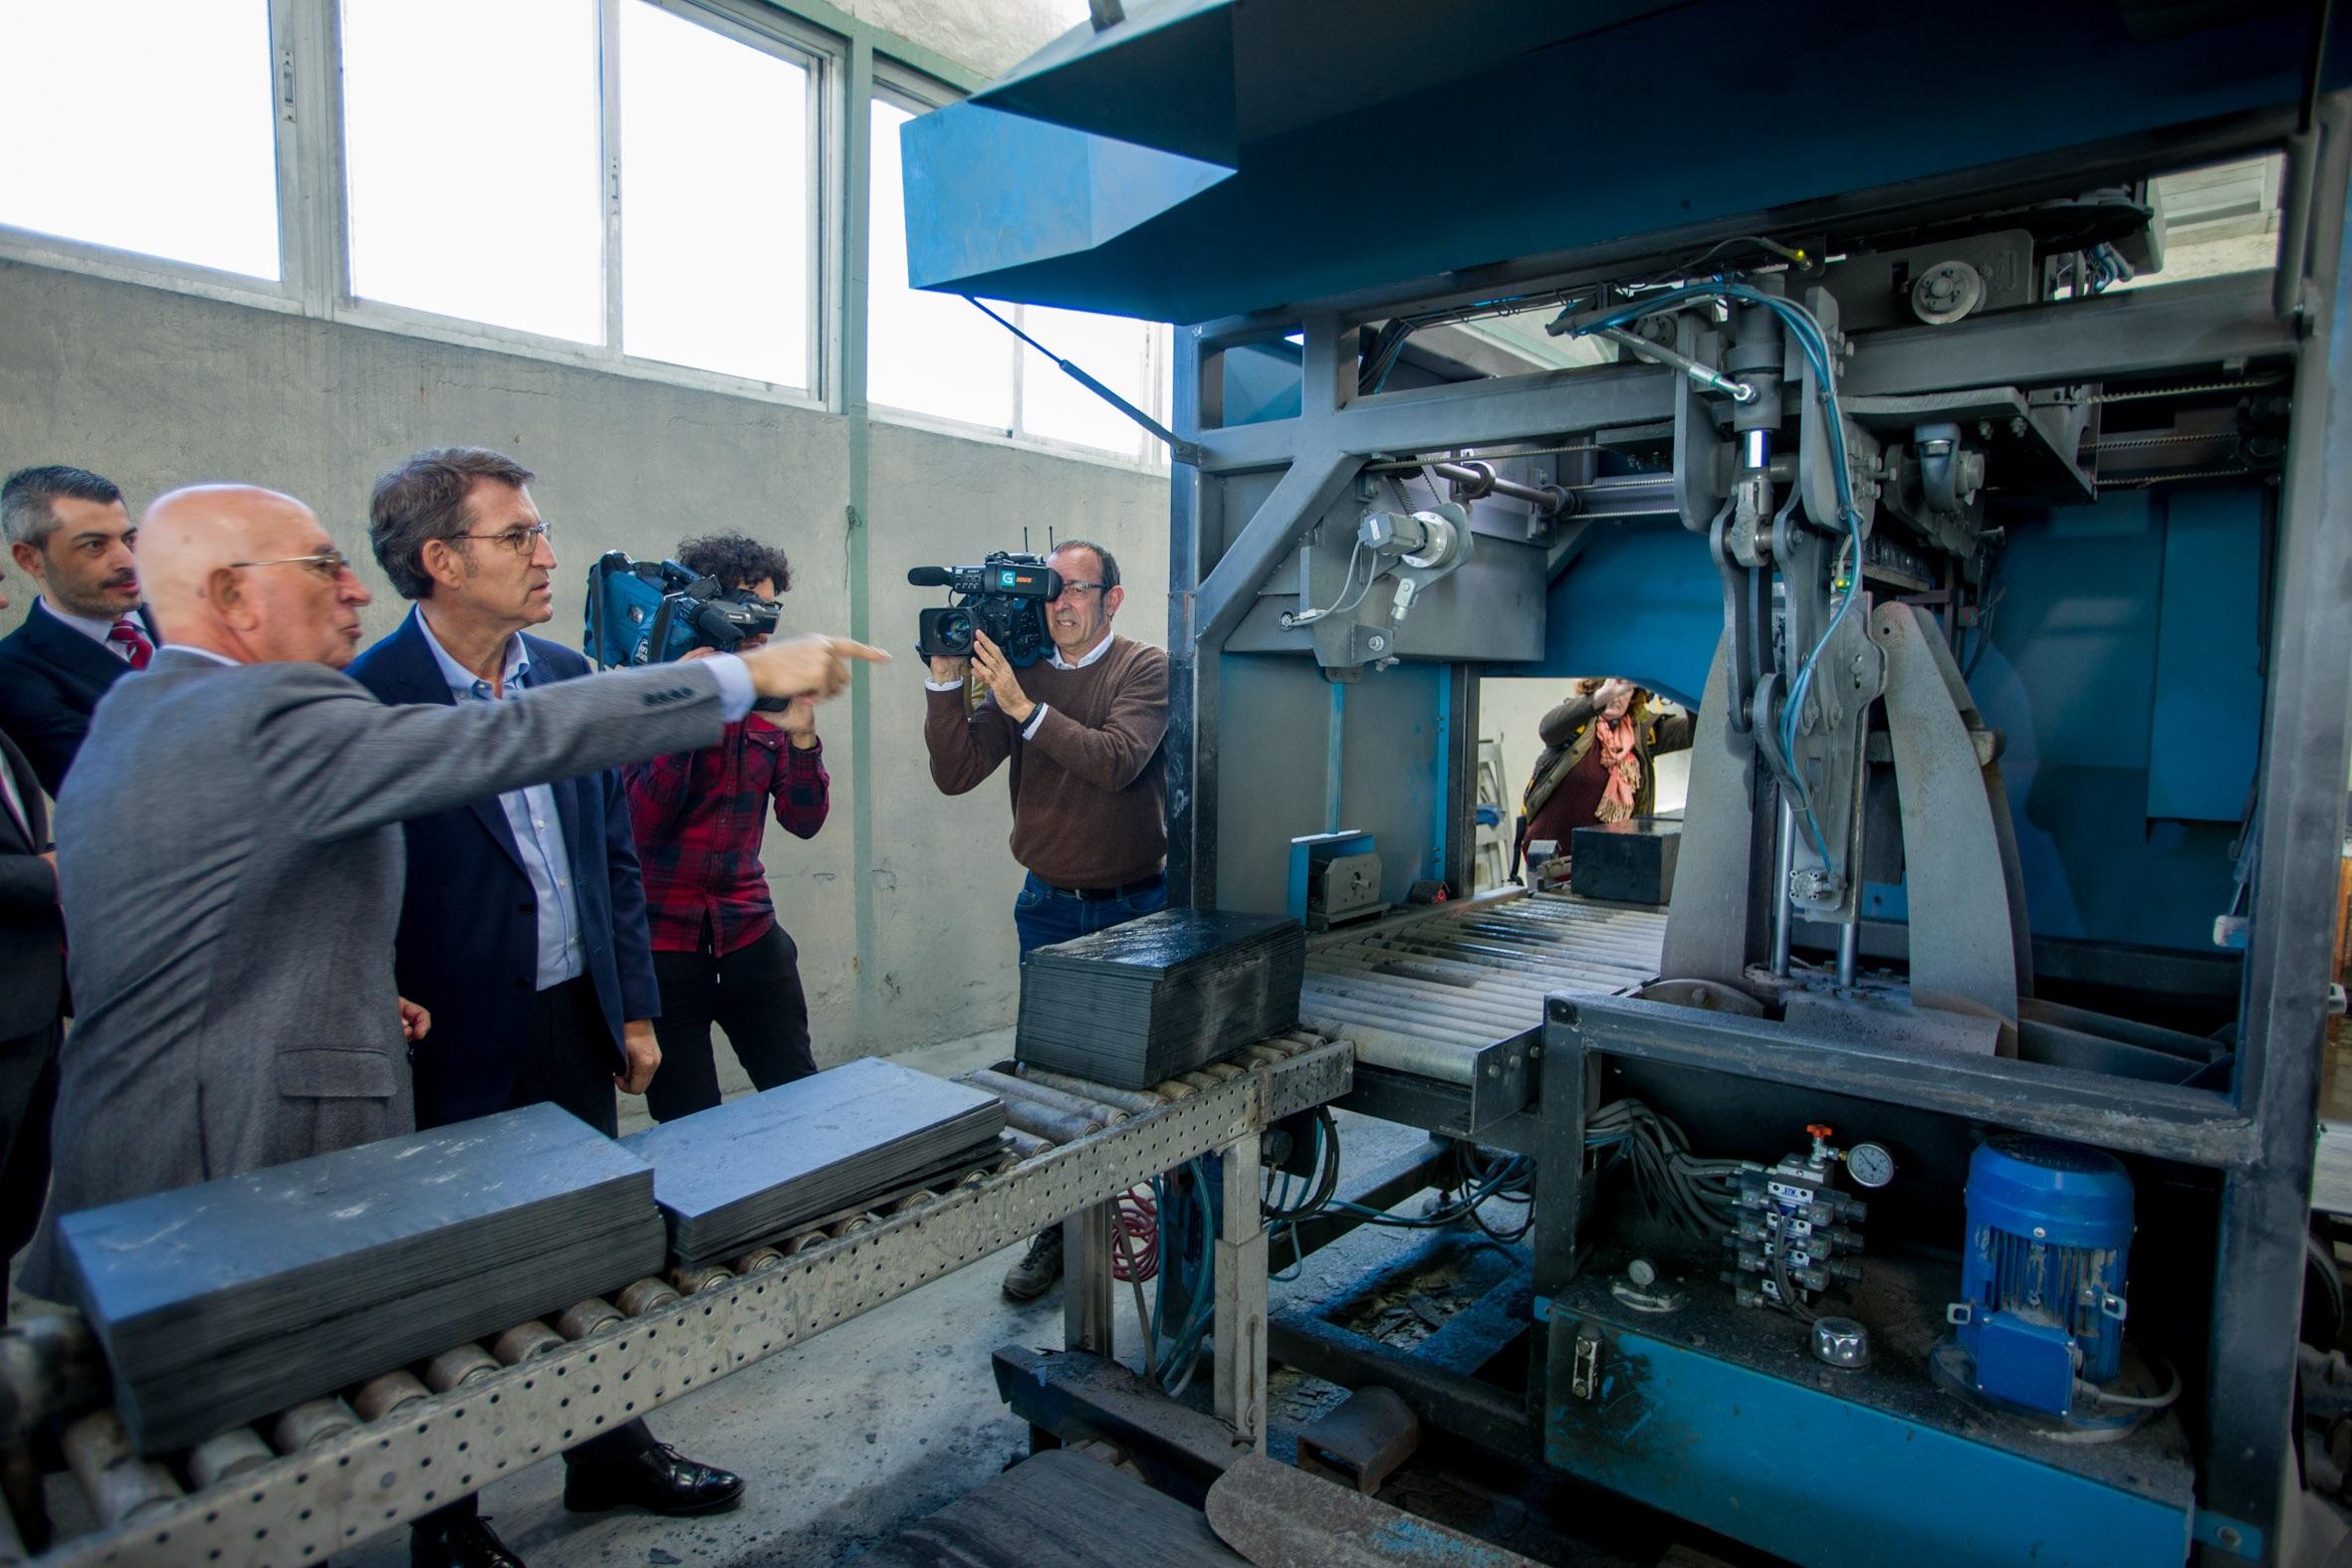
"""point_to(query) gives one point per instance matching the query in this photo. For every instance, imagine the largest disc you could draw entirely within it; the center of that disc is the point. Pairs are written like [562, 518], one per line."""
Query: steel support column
[1240, 1372]
[1197, 401]
[2299, 808]
[1086, 1304]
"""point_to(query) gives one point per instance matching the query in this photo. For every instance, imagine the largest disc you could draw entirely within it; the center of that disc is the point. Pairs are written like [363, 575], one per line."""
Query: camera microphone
[930, 577]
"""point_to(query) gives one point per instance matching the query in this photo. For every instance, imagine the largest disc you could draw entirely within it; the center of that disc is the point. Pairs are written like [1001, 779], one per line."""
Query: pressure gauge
[1870, 1164]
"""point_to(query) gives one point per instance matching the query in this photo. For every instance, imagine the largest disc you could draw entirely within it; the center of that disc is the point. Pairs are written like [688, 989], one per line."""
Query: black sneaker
[1039, 1268]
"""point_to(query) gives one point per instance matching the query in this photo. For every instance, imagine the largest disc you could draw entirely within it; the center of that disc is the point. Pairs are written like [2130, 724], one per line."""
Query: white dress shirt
[95, 628]
[531, 814]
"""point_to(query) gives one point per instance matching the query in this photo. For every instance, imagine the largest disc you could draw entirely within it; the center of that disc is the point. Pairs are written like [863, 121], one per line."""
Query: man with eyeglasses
[69, 532]
[230, 863]
[523, 924]
[1082, 733]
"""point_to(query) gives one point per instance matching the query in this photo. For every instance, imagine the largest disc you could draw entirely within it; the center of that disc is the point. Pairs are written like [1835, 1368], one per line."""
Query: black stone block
[1629, 862]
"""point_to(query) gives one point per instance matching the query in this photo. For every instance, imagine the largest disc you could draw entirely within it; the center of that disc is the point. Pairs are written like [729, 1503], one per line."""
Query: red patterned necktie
[126, 634]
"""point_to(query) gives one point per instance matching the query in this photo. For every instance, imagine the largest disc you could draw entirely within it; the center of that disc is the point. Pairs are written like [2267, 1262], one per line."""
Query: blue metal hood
[1217, 75]
[1353, 146]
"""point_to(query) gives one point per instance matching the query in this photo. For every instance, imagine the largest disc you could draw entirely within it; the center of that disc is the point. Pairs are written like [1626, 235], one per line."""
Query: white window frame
[920, 94]
[38, 249]
[314, 255]
[758, 28]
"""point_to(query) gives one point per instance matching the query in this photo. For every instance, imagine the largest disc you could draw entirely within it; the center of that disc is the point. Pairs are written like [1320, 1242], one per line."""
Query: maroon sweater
[1090, 788]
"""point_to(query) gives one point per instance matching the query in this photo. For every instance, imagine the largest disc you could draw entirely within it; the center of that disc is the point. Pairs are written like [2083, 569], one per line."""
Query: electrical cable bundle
[1173, 1368]
[1698, 1197]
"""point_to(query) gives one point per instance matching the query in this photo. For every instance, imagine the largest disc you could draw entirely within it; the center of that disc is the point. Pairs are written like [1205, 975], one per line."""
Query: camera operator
[1082, 731]
[718, 953]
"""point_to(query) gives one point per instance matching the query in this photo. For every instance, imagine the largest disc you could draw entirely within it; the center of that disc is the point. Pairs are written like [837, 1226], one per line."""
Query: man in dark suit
[69, 529]
[522, 926]
[33, 958]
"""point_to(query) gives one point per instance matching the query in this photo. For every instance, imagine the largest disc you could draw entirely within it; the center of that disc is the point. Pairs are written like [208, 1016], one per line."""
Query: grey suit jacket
[231, 865]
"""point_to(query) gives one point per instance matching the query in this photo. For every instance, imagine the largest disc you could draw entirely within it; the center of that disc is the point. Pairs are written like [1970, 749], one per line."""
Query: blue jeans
[1045, 914]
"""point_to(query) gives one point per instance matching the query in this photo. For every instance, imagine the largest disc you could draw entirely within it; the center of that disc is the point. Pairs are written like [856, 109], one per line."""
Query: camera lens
[955, 629]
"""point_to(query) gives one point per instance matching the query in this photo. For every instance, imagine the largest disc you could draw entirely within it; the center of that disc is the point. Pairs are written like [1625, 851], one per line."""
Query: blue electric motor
[2042, 1275]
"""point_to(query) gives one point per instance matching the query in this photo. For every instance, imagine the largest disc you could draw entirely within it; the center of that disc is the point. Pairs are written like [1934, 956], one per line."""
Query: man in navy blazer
[523, 923]
[69, 529]
[32, 1003]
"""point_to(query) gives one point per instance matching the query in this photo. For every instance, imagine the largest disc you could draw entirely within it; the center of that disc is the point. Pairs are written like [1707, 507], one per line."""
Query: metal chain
[2193, 390]
[2126, 443]
[2167, 479]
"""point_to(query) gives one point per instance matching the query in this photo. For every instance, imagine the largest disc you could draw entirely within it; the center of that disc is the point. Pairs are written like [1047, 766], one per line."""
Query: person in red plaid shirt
[717, 952]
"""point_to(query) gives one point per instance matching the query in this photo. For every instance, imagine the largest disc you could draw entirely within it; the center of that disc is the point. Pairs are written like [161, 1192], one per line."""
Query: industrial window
[934, 354]
[641, 177]
[716, 200]
[473, 170]
[145, 127]
[1114, 351]
[928, 354]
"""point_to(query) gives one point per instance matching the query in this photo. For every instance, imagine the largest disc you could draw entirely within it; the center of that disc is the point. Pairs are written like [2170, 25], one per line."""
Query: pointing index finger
[849, 648]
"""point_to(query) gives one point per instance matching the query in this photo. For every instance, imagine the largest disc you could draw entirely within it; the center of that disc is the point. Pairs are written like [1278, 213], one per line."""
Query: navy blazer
[32, 934]
[50, 678]
[468, 943]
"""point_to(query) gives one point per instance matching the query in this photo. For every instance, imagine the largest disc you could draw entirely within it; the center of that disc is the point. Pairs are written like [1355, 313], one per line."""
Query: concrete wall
[990, 36]
[155, 389]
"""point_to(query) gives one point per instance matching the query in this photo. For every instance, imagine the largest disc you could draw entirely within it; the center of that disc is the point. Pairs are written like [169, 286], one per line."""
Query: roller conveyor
[336, 1470]
[1444, 1003]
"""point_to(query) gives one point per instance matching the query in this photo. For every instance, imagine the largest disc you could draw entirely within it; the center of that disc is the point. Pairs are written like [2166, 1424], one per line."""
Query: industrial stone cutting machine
[1949, 1139]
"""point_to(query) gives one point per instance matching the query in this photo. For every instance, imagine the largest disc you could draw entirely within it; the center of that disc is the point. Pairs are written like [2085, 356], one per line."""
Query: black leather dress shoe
[658, 1481]
[463, 1543]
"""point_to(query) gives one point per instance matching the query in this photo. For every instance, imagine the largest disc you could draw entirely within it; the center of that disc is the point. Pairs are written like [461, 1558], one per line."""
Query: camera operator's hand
[1003, 684]
[945, 670]
[798, 723]
[813, 666]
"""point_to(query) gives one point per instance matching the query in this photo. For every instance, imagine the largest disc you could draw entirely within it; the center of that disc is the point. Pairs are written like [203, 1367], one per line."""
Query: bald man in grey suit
[230, 860]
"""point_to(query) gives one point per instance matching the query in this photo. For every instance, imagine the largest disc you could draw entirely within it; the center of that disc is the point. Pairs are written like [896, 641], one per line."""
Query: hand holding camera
[813, 666]
[1003, 684]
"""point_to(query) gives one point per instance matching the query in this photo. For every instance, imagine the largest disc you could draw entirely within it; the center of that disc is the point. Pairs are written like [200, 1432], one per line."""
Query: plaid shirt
[698, 820]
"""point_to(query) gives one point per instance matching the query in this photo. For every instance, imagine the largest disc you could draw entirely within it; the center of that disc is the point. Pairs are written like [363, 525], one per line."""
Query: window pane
[144, 124]
[1109, 349]
[474, 169]
[928, 352]
[714, 225]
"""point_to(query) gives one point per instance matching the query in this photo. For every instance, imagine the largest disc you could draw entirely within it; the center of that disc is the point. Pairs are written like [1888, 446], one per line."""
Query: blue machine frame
[1826, 1479]
[2193, 610]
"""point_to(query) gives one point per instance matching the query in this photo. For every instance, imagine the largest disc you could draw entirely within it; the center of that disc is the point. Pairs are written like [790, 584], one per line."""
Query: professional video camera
[651, 611]
[1005, 596]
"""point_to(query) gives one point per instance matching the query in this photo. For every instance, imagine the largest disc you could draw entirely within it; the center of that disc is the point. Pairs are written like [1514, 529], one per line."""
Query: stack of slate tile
[1143, 1002]
[755, 1169]
[227, 1301]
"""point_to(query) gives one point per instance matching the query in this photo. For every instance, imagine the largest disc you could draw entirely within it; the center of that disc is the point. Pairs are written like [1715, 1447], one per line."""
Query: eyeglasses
[328, 565]
[522, 541]
[1080, 589]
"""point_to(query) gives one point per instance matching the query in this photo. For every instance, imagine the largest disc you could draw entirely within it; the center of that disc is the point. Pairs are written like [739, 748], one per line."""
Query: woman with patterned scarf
[1596, 765]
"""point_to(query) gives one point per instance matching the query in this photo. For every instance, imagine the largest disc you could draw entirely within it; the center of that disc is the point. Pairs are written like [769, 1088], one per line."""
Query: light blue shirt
[531, 814]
